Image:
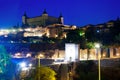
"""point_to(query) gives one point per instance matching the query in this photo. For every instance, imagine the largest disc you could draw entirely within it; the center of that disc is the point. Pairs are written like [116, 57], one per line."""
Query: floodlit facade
[42, 20]
[38, 31]
[71, 52]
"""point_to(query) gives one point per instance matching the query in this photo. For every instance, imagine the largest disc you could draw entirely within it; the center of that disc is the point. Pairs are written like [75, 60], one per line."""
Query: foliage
[90, 34]
[90, 45]
[4, 59]
[73, 36]
[81, 32]
[76, 36]
[47, 74]
[42, 73]
[7, 68]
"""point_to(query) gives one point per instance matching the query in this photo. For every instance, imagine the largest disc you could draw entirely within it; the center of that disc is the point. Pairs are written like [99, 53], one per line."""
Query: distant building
[45, 25]
[37, 31]
[110, 23]
[42, 20]
[58, 30]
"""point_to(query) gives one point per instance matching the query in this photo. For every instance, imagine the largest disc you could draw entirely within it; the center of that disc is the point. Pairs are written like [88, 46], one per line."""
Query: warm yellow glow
[40, 56]
[117, 54]
[56, 35]
[92, 56]
[74, 27]
[104, 55]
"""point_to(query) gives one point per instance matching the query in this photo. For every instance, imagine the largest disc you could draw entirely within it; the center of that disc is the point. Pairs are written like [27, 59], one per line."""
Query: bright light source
[30, 65]
[97, 45]
[98, 31]
[23, 64]
[40, 56]
[24, 68]
[12, 41]
[5, 35]
[56, 35]
[28, 55]
[17, 55]
[104, 55]
[117, 54]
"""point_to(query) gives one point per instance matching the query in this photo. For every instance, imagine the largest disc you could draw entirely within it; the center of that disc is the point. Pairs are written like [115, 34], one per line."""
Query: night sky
[75, 12]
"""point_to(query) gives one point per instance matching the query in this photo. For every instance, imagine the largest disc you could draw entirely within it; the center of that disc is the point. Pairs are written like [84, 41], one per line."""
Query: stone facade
[104, 53]
[42, 20]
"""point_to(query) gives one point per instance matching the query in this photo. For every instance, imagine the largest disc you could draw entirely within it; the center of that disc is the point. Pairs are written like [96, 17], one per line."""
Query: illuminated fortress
[42, 20]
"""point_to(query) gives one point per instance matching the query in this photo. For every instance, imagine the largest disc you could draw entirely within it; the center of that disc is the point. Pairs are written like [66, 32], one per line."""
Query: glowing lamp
[97, 45]
[30, 65]
[23, 64]
[24, 69]
[117, 54]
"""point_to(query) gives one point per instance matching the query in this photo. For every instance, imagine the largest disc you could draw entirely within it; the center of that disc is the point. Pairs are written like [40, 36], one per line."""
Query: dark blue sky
[75, 12]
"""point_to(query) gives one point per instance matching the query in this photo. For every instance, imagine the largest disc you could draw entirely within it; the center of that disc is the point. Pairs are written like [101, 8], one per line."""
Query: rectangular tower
[71, 52]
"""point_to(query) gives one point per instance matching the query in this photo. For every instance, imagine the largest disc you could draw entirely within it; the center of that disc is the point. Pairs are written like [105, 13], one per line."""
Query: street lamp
[97, 46]
[23, 70]
[22, 64]
[39, 56]
[38, 61]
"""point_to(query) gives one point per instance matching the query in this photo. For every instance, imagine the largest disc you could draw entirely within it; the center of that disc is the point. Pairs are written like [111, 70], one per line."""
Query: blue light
[98, 31]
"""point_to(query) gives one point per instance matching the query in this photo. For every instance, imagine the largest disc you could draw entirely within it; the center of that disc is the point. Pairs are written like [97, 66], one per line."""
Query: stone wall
[91, 54]
[59, 54]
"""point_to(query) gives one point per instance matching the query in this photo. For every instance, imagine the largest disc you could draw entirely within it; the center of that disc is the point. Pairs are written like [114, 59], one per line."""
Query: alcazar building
[44, 25]
[42, 20]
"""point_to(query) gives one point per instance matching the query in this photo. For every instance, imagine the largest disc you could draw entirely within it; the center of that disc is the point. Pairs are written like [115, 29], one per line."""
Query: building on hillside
[59, 30]
[110, 23]
[42, 20]
[35, 32]
[45, 25]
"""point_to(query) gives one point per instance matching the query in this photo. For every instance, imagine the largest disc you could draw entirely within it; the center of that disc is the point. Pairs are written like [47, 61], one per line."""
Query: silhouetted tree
[86, 70]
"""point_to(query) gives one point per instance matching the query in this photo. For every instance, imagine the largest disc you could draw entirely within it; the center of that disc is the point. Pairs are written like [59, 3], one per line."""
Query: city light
[22, 64]
[97, 45]
[117, 54]
[30, 65]
[24, 69]
[17, 55]
[28, 55]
